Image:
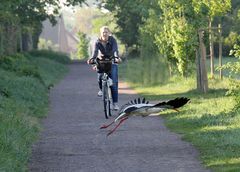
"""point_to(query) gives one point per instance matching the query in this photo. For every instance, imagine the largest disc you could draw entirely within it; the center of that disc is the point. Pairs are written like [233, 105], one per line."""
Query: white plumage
[142, 107]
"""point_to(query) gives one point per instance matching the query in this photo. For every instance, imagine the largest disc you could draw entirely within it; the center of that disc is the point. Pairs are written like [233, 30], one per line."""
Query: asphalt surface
[71, 140]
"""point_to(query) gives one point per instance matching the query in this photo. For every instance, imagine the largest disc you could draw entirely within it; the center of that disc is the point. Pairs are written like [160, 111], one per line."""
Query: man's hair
[105, 27]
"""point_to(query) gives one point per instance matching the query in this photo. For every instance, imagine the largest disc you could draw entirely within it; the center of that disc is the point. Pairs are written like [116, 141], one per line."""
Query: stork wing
[137, 101]
[134, 102]
[174, 103]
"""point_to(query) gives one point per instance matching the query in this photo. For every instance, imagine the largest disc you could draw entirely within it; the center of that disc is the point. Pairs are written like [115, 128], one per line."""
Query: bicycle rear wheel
[106, 100]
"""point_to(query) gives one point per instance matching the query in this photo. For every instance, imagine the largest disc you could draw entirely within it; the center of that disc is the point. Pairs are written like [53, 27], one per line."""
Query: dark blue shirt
[110, 49]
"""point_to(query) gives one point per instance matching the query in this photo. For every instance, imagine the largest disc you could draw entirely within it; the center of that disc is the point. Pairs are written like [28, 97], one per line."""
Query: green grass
[24, 88]
[208, 121]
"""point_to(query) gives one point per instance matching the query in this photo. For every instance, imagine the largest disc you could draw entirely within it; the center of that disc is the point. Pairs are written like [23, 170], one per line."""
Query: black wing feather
[175, 103]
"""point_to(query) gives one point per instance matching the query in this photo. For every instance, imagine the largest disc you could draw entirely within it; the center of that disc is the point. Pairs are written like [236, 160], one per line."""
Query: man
[106, 45]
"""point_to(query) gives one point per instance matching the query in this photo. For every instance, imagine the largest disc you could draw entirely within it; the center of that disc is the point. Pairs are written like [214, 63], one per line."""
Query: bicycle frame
[107, 94]
[106, 85]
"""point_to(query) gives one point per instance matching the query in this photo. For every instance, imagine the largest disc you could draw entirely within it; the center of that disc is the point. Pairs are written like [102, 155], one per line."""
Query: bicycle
[106, 65]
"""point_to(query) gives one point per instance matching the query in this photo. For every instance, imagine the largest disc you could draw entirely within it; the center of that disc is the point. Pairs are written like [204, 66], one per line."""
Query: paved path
[71, 140]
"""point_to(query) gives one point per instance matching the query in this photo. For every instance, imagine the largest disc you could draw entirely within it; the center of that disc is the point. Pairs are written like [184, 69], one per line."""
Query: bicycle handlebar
[104, 60]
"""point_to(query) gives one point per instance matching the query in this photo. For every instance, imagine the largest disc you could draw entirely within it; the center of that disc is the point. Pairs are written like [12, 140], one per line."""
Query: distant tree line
[21, 22]
[172, 30]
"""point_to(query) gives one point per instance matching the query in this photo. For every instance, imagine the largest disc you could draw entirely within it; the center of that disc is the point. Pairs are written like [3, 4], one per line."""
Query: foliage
[171, 25]
[82, 52]
[145, 71]
[234, 68]
[153, 68]
[232, 39]
[44, 44]
[212, 8]
[84, 18]
[103, 19]
[177, 39]
[129, 16]
[230, 26]
[19, 64]
[21, 22]
[229, 41]
[23, 100]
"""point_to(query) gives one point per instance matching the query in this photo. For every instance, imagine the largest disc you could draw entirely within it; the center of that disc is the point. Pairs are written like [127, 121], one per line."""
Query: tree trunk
[24, 42]
[30, 41]
[220, 50]
[198, 66]
[10, 43]
[27, 43]
[211, 46]
[1, 41]
[20, 40]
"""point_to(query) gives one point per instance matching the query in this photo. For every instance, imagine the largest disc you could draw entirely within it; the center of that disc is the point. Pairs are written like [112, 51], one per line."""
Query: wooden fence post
[202, 80]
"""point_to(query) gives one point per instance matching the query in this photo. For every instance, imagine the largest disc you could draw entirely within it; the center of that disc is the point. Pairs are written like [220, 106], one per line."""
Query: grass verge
[24, 86]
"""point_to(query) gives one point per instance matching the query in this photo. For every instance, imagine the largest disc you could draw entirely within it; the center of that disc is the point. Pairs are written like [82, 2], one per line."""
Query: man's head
[104, 32]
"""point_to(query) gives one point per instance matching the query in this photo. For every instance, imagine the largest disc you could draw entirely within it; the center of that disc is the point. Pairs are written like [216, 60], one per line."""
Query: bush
[82, 51]
[20, 64]
[234, 68]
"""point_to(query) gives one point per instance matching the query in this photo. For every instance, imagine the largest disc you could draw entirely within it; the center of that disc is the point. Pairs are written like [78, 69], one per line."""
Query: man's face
[104, 34]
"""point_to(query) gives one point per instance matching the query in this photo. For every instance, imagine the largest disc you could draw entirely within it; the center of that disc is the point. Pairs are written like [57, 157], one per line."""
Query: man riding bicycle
[106, 46]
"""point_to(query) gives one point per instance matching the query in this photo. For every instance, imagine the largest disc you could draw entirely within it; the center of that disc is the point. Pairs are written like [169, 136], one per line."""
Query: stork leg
[121, 121]
[115, 120]
[106, 126]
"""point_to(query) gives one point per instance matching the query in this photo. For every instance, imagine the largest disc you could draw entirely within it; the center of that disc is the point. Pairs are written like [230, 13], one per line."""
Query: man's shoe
[100, 93]
[115, 106]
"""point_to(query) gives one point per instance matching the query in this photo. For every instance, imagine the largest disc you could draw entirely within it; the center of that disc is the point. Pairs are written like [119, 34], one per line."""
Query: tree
[82, 52]
[177, 39]
[21, 19]
[213, 9]
[84, 17]
[103, 19]
[129, 16]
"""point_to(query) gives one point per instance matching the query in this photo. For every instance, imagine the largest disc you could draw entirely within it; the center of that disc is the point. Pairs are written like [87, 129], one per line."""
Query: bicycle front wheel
[106, 101]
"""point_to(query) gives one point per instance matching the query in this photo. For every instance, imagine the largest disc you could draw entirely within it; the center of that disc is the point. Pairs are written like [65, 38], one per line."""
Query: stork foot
[104, 126]
[108, 134]
[121, 121]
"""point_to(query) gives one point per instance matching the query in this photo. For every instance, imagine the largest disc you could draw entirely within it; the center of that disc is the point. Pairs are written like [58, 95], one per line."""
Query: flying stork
[141, 107]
